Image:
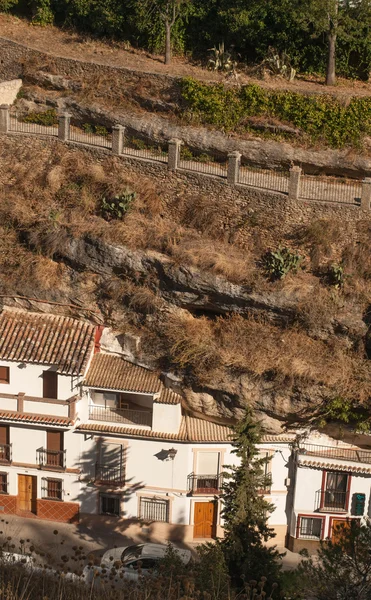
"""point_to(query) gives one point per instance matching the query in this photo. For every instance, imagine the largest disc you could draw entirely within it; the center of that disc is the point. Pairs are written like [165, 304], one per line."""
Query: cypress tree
[246, 512]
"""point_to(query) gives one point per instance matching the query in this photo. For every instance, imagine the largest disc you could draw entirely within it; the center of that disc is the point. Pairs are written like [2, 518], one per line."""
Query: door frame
[33, 499]
[216, 504]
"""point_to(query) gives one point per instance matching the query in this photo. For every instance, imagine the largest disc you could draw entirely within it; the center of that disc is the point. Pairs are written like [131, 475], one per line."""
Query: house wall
[29, 381]
[166, 417]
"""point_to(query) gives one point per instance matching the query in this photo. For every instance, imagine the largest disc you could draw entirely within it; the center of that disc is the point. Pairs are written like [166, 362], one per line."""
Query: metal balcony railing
[120, 415]
[354, 455]
[107, 474]
[331, 501]
[53, 459]
[5, 453]
[204, 484]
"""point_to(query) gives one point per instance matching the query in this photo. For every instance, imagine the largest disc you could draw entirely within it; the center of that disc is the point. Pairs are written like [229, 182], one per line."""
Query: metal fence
[277, 181]
[120, 415]
[202, 161]
[90, 138]
[355, 455]
[18, 124]
[144, 147]
[330, 189]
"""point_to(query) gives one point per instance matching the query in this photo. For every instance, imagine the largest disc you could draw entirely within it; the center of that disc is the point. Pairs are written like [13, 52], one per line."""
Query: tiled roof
[167, 396]
[46, 339]
[191, 430]
[115, 373]
[12, 415]
[329, 466]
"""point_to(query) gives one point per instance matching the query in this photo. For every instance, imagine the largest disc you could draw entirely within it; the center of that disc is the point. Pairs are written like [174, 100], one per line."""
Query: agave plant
[279, 64]
[221, 59]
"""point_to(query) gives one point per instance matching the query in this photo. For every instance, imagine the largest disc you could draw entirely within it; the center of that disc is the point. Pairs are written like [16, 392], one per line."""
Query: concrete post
[64, 127]
[174, 154]
[20, 402]
[366, 194]
[72, 408]
[117, 139]
[294, 183]
[234, 163]
[4, 118]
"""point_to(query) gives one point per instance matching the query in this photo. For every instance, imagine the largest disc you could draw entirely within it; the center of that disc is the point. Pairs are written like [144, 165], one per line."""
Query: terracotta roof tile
[167, 396]
[11, 415]
[108, 371]
[46, 339]
[191, 430]
[317, 464]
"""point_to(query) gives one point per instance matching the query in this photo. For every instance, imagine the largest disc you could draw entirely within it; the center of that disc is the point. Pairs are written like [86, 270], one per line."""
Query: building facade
[84, 431]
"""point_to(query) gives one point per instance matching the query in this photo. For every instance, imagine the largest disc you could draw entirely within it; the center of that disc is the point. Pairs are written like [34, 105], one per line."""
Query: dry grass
[321, 238]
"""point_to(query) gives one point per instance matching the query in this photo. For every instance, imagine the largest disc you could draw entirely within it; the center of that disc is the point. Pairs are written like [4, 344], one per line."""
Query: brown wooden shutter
[50, 384]
[4, 435]
[4, 374]
[54, 440]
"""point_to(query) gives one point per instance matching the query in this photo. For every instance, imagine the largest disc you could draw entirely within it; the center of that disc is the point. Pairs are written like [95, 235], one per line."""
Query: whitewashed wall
[29, 381]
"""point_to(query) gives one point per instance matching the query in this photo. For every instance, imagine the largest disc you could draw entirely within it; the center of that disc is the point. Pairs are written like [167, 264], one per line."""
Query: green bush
[48, 118]
[95, 129]
[118, 206]
[277, 263]
[321, 117]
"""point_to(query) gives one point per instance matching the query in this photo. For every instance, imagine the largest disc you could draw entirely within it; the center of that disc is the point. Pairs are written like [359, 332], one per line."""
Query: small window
[310, 528]
[109, 505]
[154, 509]
[52, 489]
[3, 483]
[4, 375]
[50, 384]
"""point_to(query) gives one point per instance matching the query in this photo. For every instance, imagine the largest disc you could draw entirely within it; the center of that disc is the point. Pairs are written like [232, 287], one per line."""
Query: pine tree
[246, 512]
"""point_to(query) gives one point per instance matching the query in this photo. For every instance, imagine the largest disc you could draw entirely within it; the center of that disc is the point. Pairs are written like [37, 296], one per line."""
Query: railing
[204, 484]
[120, 415]
[5, 453]
[106, 474]
[53, 459]
[207, 162]
[330, 189]
[354, 455]
[331, 501]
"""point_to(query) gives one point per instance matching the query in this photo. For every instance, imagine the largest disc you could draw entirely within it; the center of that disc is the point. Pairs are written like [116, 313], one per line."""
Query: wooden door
[4, 443]
[338, 527]
[27, 492]
[204, 520]
[54, 448]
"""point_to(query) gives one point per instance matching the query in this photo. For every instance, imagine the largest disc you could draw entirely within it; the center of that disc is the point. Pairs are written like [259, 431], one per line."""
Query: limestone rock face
[9, 91]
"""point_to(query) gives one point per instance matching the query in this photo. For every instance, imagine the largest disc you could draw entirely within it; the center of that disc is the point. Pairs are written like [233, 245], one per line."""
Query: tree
[343, 568]
[245, 511]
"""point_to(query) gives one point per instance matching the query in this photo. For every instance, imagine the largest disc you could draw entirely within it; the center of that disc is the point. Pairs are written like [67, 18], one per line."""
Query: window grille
[154, 509]
[310, 528]
[3, 483]
[52, 489]
[109, 504]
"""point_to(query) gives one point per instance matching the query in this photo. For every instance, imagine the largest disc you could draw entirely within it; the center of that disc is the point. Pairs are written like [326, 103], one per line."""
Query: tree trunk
[167, 43]
[331, 58]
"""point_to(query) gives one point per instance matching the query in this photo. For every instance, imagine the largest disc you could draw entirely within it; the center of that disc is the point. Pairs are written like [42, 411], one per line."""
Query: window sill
[52, 499]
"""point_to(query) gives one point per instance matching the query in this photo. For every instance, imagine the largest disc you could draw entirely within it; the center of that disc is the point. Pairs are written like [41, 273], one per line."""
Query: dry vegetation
[51, 193]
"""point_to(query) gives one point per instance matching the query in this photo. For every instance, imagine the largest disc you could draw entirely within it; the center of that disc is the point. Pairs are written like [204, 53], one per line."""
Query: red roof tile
[11, 415]
[108, 371]
[46, 339]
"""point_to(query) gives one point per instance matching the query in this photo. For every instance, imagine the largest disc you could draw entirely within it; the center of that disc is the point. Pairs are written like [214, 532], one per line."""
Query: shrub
[278, 263]
[118, 206]
[48, 118]
[336, 275]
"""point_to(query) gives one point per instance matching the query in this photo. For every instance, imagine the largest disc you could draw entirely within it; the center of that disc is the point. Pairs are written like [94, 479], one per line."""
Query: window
[110, 465]
[4, 443]
[50, 384]
[54, 455]
[335, 492]
[3, 483]
[109, 504]
[310, 527]
[154, 509]
[52, 489]
[4, 375]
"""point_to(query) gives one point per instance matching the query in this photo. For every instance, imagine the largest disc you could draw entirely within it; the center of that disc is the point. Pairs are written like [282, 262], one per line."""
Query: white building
[82, 431]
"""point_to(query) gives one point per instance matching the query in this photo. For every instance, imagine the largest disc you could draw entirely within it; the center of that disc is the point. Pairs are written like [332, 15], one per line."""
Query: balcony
[332, 501]
[120, 415]
[51, 459]
[354, 455]
[109, 475]
[5, 454]
[204, 484]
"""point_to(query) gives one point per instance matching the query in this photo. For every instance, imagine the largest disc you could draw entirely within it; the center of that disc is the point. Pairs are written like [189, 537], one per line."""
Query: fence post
[366, 194]
[294, 183]
[4, 118]
[64, 127]
[234, 163]
[117, 139]
[174, 154]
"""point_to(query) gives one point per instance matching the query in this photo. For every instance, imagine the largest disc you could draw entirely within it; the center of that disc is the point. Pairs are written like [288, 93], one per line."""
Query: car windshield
[131, 552]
